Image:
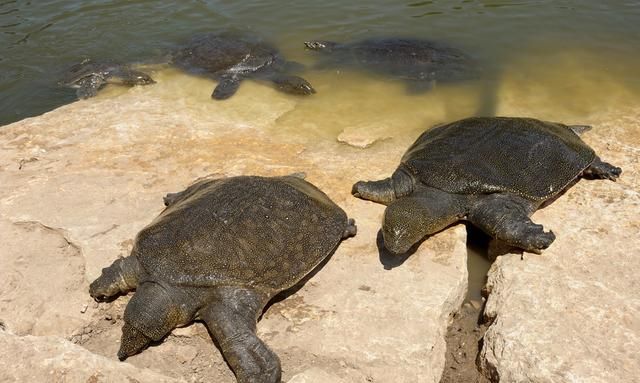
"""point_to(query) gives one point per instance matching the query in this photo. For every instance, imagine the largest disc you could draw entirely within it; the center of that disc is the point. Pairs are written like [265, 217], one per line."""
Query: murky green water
[39, 38]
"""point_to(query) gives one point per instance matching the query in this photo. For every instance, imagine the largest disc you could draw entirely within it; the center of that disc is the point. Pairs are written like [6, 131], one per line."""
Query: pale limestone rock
[572, 314]
[52, 359]
[315, 375]
[95, 173]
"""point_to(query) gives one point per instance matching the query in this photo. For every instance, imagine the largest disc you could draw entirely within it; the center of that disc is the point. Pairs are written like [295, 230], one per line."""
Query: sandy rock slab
[572, 314]
[78, 183]
[52, 359]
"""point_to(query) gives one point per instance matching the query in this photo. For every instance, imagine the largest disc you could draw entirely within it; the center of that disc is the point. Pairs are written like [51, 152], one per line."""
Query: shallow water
[39, 39]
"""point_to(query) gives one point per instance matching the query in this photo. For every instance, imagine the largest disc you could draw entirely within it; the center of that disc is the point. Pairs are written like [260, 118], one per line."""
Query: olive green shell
[247, 231]
[532, 158]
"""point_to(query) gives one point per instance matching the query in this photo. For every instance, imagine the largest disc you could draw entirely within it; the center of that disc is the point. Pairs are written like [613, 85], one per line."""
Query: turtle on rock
[491, 171]
[230, 58]
[420, 63]
[218, 252]
[90, 76]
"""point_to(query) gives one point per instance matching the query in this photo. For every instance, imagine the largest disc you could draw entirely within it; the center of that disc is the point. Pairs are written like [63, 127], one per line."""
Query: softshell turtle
[230, 58]
[493, 172]
[90, 76]
[420, 63]
[219, 252]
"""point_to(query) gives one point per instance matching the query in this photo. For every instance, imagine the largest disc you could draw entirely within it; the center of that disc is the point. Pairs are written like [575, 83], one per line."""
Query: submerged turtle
[219, 252]
[231, 58]
[493, 172]
[89, 76]
[420, 63]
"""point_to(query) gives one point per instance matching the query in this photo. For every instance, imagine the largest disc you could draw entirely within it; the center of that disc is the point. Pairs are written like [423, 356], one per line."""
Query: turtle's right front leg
[506, 217]
[384, 191]
[120, 277]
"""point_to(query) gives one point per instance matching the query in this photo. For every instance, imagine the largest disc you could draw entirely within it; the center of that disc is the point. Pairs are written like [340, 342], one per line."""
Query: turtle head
[150, 315]
[293, 85]
[408, 220]
[133, 341]
[138, 78]
[320, 45]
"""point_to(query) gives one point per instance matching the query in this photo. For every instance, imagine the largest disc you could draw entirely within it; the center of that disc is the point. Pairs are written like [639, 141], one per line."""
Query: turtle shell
[247, 231]
[251, 231]
[215, 54]
[532, 158]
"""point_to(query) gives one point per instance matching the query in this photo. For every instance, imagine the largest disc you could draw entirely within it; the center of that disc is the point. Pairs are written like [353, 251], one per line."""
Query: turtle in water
[230, 58]
[491, 171]
[218, 252]
[420, 63]
[89, 76]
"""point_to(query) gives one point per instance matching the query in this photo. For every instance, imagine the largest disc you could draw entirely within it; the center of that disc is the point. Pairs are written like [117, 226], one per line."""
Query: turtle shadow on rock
[390, 260]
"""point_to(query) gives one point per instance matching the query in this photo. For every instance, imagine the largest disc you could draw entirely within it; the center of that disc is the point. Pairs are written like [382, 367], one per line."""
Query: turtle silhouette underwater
[420, 63]
[219, 252]
[89, 76]
[493, 172]
[230, 58]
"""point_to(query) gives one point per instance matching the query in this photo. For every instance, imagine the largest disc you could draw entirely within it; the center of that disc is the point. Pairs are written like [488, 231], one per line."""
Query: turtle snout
[144, 80]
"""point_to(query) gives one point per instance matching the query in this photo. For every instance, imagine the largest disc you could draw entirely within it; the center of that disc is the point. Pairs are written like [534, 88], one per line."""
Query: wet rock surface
[78, 183]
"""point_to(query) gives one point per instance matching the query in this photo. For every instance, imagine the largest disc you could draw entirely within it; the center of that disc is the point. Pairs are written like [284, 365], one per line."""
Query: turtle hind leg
[602, 170]
[120, 277]
[506, 217]
[231, 319]
[227, 87]
[351, 230]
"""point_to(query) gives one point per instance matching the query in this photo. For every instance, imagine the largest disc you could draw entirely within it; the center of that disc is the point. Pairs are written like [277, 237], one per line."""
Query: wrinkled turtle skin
[492, 171]
[229, 58]
[219, 252]
[88, 77]
[420, 63]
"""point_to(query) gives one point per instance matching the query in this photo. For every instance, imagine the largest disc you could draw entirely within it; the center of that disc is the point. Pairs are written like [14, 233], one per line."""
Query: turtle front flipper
[120, 277]
[227, 87]
[385, 191]
[291, 84]
[89, 86]
[506, 217]
[231, 318]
